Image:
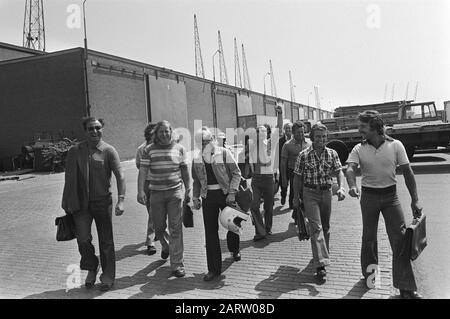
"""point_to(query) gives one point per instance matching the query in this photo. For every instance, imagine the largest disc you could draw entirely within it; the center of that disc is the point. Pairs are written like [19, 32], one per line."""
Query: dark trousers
[101, 212]
[389, 205]
[212, 204]
[290, 175]
[262, 187]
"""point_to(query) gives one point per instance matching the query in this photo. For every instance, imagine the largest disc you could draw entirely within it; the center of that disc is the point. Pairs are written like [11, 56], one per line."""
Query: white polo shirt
[378, 165]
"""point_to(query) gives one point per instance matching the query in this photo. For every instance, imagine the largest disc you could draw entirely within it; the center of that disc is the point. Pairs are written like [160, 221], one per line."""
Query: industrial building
[44, 96]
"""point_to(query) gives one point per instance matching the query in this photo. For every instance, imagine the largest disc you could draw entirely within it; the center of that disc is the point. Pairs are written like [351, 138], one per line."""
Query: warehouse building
[44, 95]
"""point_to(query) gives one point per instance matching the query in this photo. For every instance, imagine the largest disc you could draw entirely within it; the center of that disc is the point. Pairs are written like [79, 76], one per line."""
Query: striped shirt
[164, 164]
[317, 171]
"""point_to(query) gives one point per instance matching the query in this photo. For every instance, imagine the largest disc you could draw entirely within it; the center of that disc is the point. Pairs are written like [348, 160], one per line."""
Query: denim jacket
[228, 174]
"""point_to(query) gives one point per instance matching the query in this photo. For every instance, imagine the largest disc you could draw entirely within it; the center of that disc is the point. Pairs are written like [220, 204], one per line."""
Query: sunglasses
[94, 128]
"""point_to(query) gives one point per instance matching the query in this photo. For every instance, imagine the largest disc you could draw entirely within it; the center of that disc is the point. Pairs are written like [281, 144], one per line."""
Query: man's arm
[410, 182]
[283, 165]
[120, 179]
[185, 175]
[351, 179]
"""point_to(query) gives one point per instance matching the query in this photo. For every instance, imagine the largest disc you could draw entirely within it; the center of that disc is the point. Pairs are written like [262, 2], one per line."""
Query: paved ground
[34, 265]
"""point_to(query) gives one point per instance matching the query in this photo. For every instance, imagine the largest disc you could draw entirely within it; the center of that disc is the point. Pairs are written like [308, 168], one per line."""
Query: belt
[213, 187]
[379, 191]
[318, 187]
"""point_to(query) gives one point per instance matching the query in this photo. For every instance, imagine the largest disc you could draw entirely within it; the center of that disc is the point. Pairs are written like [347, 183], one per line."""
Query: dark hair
[148, 132]
[156, 129]
[317, 127]
[88, 119]
[373, 118]
[297, 125]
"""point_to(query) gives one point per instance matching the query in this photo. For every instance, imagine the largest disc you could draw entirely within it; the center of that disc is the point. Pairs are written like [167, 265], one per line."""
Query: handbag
[188, 216]
[415, 239]
[65, 228]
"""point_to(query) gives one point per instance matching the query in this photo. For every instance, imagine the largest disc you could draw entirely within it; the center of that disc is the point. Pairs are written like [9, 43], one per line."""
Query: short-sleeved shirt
[164, 164]
[378, 165]
[317, 170]
[290, 151]
[102, 161]
[139, 153]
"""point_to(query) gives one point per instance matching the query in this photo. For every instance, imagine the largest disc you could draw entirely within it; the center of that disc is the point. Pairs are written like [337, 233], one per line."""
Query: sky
[351, 49]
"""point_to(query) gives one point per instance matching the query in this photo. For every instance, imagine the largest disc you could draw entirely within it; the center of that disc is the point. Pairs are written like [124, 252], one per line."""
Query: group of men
[306, 168]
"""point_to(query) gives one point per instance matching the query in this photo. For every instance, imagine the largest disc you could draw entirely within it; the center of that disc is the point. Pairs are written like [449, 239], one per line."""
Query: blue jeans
[318, 211]
[101, 212]
[389, 205]
[168, 205]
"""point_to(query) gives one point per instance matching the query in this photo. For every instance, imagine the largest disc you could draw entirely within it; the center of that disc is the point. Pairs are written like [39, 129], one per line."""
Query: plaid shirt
[315, 170]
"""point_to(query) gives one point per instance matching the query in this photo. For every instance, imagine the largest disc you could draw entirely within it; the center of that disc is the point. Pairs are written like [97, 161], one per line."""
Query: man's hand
[119, 207]
[340, 194]
[231, 199]
[197, 203]
[416, 209]
[142, 198]
[187, 196]
[354, 192]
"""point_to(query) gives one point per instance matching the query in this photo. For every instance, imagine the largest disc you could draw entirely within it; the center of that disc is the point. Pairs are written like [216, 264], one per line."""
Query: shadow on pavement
[278, 211]
[274, 238]
[287, 279]
[130, 251]
[358, 290]
[139, 278]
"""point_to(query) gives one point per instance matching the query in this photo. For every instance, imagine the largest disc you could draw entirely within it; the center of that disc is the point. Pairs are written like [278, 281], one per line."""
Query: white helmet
[231, 218]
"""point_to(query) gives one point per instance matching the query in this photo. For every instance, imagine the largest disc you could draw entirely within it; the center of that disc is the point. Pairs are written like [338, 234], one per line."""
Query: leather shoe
[151, 250]
[237, 256]
[409, 294]
[210, 276]
[179, 273]
[105, 287]
[164, 255]
[91, 278]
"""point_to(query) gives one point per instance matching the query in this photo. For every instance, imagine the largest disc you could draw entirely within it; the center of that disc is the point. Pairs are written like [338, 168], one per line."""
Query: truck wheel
[340, 148]
[410, 152]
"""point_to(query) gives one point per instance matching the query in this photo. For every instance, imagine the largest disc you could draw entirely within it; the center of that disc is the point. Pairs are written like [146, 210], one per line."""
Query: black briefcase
[415, 239]
[188, 216]
[65, 228]
[303, 233]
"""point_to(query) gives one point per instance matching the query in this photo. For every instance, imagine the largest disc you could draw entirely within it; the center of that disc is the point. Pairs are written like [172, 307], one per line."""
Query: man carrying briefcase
[378, 156]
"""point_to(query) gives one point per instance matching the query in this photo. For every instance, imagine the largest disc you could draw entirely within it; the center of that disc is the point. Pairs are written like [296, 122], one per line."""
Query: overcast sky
[350, 48]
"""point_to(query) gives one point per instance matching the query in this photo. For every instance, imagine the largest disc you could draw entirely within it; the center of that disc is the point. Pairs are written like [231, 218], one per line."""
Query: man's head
[318, 135]
[162, 133]
[261, 132]
[288, 130]
[298, 131]
[268, 130]
[148, 132]
[203, 137]
[370, 124]
[221, 139]
[93, 129]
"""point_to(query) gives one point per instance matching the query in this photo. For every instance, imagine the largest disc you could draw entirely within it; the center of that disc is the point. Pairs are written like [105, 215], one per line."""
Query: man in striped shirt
[164, 163]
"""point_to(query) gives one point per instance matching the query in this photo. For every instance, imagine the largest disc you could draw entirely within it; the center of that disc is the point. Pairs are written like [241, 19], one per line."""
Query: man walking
[314, 169]
[262, 183]
[378, 156]
[87, 197]
[289, 154]
[164, 161]
[286, 137]
[148, 134]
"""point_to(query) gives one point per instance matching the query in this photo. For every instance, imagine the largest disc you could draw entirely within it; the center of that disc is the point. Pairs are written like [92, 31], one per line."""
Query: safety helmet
[231, 218]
